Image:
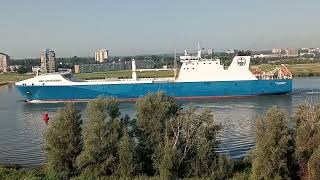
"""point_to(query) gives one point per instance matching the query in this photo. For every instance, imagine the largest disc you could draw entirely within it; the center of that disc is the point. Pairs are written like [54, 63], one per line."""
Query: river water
[21, 126]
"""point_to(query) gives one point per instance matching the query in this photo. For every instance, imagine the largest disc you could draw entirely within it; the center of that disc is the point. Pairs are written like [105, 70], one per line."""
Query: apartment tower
[48, 61]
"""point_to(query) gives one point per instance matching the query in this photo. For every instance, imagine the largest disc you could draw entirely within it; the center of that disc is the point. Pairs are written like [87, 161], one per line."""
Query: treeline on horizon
[69, 62]
[166, 141]
[159, 60]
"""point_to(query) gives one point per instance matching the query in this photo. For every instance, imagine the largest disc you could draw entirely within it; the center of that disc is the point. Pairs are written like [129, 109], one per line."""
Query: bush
[307, 136]
[101, 134]
[11, 173]
[153, 112]
[273, 146]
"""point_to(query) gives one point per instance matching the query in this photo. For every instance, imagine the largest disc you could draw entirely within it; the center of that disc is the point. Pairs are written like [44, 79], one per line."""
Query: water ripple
[21, 127]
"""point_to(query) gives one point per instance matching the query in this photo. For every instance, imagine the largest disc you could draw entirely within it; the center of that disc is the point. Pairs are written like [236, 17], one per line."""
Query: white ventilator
[134, 73]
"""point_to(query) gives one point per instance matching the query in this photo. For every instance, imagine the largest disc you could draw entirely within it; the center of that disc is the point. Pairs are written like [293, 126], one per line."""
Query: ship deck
[154, 80]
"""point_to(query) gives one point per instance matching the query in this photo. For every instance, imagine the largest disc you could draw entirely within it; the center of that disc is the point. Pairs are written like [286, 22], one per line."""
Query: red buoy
[45, 117]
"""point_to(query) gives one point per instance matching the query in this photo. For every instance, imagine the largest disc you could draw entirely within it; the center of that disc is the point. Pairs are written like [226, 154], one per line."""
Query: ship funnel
[134, 74]
[240, 63]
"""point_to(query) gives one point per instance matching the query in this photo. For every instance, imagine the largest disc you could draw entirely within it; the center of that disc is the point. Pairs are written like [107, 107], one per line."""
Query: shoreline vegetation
[296, 69]
[166, 141]
[8, 78]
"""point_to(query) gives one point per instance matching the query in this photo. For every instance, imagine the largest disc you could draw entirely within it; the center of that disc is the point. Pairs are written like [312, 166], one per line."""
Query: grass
[296, 69]
[124, 74]
[13, 77]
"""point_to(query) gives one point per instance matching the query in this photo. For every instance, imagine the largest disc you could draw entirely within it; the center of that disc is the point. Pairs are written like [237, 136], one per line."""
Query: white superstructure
[195, 69]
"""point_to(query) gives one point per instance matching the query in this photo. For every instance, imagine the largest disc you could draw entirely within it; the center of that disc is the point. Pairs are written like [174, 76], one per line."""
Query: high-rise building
[276, 50]
[4, 62]
[48, 61]
[292, 52]
[102, 55]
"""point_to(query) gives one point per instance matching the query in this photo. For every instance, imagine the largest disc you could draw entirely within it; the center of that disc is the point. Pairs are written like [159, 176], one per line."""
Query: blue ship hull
[176, 89]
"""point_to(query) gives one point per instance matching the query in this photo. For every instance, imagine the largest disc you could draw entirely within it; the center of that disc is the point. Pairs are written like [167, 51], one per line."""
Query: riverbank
[125, 74]
[3, 83]
[8, 78]
[16, 172]
[296, 69]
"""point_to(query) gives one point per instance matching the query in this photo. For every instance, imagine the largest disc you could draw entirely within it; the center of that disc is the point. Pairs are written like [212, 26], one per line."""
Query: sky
[129, 27]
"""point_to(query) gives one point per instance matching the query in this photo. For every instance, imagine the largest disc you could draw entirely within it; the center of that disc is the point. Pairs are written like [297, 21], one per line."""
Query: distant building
[36, 69]
[292, 52]
[102, 55]
[276, 50]
[76, 69]
[309, 54]
[313, 50]
[266, 55]
[14, 68]
[4, 62]
[48, 61]
[229, 51]
[64, 70]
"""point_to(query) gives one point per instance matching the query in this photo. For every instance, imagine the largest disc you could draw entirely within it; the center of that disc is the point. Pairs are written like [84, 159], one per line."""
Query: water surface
[21, 127]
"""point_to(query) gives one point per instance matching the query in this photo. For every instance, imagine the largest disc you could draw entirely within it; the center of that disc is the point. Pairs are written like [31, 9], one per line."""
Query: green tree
[125, 151]
[195, 136]
[22, 70]
[273, 146]
[307, 136]
[175, 142]
[167, 161]
[100, 136]
[153, 112]
[64, 141]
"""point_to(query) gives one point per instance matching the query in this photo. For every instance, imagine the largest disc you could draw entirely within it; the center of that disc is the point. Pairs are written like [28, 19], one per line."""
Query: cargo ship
[197, 78]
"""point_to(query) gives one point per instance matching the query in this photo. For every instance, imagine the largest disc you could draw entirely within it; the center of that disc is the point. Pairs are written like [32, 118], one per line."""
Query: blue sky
[128, 27]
